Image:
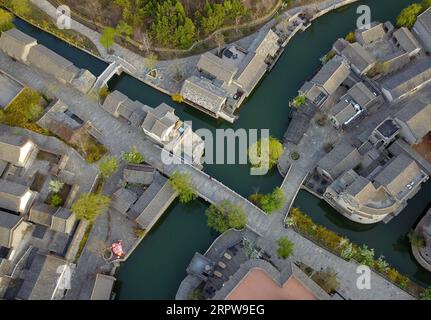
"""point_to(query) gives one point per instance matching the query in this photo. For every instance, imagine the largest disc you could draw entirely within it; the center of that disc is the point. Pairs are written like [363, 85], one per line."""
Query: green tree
[108, 37]
[298, 101]
[365, 256]
[20, 7]
[226, 216]
[274, 201]
[285, 248]
[108, 166]
[182, 184]
[133, 156]
[124, 29]
[260, 155]
[6, 19]
[89, 206]
[426, 294]
[416, 239]
[426, 4]
[56, 200]
[408, 16]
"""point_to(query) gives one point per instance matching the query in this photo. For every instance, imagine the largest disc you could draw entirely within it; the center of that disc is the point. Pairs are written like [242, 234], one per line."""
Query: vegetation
[295, 156]
[56, 200]
[107, 39]
[417, 240]
[344, 248]
[178, 98]
[6, 19]
[55, 186]
[182, 184]
[285, 248]
[103, 93]
[271, 202]
[24, 111]
[89, 206]
[226, 216]
[351, 37]
[89, 148]
[327, 280]
[133, 156]
[139, 233]
[108, 166]
[426, 294]
[407, 18]
[259, 157]
[298, 101]
[20, 7]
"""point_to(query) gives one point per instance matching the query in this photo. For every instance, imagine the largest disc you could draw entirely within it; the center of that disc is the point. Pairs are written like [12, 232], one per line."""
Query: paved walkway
[120, 137]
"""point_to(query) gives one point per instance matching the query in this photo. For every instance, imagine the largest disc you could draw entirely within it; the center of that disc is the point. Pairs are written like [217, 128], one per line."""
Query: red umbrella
[117, 249]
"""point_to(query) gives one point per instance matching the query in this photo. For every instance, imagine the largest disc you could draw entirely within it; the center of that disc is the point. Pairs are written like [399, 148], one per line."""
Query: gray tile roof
[219, 68]
[406, 40]
[203, 93]
[252, 70]
[15, 197]
[417, 116]
[408, 79]
[12, 149]
[40, 282]
[123, 199]
[425, 20]
[52, 63]
[41, 213]
[332, 75]
[140, 174]
[8, 222]
[159, 119]
[401, 171]
[16, 44]
[359, 57]
[113, 102]
[373, 34]
[342, 158]
[103, 286]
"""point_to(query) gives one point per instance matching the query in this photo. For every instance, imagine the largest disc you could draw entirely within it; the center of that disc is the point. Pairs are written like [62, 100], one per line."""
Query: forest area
[170, 23]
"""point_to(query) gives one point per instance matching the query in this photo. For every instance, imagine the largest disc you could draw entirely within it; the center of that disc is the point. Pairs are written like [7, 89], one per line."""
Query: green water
[158, 265]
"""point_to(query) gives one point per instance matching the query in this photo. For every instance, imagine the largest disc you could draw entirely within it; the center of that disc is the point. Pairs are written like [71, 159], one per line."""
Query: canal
[158, 265]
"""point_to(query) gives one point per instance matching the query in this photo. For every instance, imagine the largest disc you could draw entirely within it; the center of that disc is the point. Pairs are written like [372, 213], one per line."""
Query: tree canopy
[258, 155]
[133, 156]
[285, 248]
[89, 206]
[107, 38]
[408, 16]
[20, 7]
[6, 19]
[108, 166]
[182, 184]
[226, 216]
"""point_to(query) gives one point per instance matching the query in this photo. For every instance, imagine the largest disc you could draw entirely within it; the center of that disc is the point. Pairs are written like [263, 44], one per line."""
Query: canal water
[158, 265]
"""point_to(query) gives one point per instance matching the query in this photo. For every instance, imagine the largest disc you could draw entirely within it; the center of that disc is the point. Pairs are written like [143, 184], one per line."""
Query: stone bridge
[117, 66]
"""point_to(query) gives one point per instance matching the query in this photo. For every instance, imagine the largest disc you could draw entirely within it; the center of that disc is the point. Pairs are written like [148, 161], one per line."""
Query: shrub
[6, 19]
[351, 37]
[416, 239]
[298, 101]
[56, 200]
[55, 186]
[274, 201]
[285, 248]
[182, 184]
[133, 156]
[89, 206]
[226, 216]
[108, 166]
[265, 153]
[408, 16]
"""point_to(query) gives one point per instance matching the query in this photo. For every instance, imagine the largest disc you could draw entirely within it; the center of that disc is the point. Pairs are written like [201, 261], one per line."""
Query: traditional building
[16, 150]
[415, 121]
[407, 81]
[326, 82]
[15, 197]
[422, 29]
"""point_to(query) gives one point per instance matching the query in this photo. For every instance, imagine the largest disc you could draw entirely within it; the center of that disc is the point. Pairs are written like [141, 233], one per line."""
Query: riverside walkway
[119, 137]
